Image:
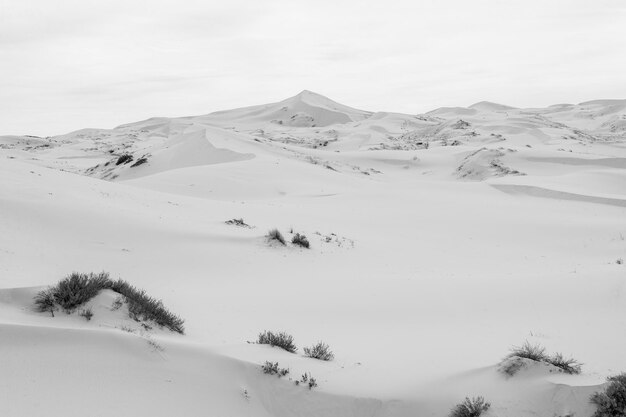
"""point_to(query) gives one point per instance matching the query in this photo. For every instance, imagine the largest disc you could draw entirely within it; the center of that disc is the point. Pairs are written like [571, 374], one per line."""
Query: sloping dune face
[188, 149]
[437, 242]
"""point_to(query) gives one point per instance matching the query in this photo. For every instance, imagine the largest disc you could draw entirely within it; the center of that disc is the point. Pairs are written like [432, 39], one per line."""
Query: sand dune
[430, 256]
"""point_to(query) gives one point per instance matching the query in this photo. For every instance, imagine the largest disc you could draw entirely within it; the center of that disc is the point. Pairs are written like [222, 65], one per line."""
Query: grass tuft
[567, 365]
[44, 301]
[281, 340]
[300, 240]
[528, 351]
[275, 234]
[124, 159]
[470, 407]
[271, 368]
[319, 351]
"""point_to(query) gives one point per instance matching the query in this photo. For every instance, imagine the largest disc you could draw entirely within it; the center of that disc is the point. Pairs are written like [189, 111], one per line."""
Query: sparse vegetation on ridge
[275, 235]
[567, 365]
[76, 289]
[307, 379]
[528, 351]
[300, 240]
[612, 401]
[281, 340]
[319, 351]
[513, 362]
[140, 161]
[237, 222]
[470, 407]
[271, 368]
[124, 159]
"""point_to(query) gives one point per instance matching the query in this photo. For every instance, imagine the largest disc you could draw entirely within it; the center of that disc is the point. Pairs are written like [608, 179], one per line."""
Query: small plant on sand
[470, 407]
[124, 159]
[237, 222]
[279, 339]
[275, 235]
[528, 351]
[612, 401]
[87, 313]
[319, 351]
[307, 379]
[300, 240]
[619, 261]
[567, 365]
[44, 301]
[271, 368]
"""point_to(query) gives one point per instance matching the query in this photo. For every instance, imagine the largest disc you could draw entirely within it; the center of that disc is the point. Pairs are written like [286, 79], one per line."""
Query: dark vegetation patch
[238, 222]
[77, 288]
[278, 339]
[124, 159]
[140, 161]
[319, 351]
[612, 401]
[300, 240]
[275, 235]
[470, 407]
[271, 368]
[513, 362]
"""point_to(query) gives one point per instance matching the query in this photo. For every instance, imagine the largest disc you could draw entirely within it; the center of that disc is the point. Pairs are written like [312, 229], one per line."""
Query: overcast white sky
[69, 64]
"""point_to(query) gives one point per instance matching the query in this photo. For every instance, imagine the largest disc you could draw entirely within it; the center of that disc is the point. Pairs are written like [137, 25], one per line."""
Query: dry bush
[279, 339]
[76, 289]
[275, 234]
[319, 351]
[470, 407]
[612, 401]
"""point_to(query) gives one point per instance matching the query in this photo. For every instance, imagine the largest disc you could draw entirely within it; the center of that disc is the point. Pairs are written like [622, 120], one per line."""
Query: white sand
[437, 260]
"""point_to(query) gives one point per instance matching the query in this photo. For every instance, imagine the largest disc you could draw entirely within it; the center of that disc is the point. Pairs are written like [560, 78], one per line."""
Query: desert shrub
[470, 407]
[271, 368]
[124, 159]
[567, 365]
[514, 361]
[77, 289]
[44, 301]
[319, 351]
[528, 351]
[619, 261]
[300, 240]
[140, 161]
[237, 222]
[143, 307]
[611, 402]
[308, 380]
[87, 313]
[281, 340]
[275, 234]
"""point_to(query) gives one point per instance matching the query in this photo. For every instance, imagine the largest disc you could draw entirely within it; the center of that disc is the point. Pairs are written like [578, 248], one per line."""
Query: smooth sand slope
[438, 241]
